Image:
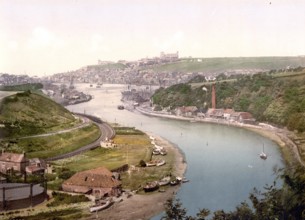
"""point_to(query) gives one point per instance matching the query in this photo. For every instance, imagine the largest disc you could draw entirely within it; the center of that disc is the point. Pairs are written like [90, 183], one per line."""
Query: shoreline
[150, 205]
[146, 206]
[288, 148]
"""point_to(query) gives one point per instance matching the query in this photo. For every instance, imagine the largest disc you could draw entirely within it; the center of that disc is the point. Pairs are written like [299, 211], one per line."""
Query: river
[223, 161]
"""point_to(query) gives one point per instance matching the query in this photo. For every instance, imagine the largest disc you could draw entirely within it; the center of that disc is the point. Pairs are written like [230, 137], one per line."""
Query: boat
[175, 181]
[160, 163]
[156, 152]
[120, 107]
[263, 155]
[165, 181]
[151, 163]
[184, 180]
[100, 206]
[163, 152]
[151, 186]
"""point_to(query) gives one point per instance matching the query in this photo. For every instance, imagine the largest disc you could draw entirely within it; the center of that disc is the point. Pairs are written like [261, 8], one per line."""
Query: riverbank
[146, 206]
[288, 148]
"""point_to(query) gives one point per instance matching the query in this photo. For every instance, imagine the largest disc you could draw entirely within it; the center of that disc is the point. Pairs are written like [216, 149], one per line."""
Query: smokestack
[213, 96]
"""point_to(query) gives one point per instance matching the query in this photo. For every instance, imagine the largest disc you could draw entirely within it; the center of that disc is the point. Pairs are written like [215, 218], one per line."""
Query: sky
[43, 37]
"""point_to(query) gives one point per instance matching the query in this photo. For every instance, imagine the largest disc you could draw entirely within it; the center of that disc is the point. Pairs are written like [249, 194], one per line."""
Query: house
[99, 182]
[108, 144]
[187, 111]
[247, 118]
[227, 113]
[243, 117]
[36, 166]
[13, 161]
[215, 113]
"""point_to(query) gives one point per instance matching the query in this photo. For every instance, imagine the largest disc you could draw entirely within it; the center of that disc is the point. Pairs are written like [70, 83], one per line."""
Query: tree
[286, 203]
[174, 210]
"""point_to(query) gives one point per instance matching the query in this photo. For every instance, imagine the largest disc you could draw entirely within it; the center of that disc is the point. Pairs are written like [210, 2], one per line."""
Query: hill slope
[226, 64]
[29, 113]
[273, 97]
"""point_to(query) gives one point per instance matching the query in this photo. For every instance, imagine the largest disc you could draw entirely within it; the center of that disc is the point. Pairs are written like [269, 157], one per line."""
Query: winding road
[107, 132]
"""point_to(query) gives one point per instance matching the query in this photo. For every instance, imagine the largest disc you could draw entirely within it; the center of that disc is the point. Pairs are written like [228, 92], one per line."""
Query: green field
[50, 146]
[130, 150]
[229, 63]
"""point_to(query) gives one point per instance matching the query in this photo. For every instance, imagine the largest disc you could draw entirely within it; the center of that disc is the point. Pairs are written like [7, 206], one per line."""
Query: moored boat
[160, 163]
[175, 181]
[102, 205]
[120, 107]
[263, 155]
[184, 180]
[156, 152]
[151, 186]
[151, 163]
[165, 181]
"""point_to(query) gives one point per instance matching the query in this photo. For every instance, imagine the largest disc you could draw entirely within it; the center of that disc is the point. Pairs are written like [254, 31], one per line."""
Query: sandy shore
[143, 207]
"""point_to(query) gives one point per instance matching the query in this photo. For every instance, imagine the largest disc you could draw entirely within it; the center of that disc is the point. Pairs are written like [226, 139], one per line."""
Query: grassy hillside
[275, 97]
[22, 87]
[229, 63]
[28, 113]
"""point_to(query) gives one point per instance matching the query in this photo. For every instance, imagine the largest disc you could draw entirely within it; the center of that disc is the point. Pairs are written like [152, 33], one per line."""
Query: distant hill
[275, 97]
[28, 113]
[225, 64]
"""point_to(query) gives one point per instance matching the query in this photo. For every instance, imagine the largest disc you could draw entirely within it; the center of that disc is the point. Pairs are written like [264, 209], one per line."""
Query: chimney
[213, 96]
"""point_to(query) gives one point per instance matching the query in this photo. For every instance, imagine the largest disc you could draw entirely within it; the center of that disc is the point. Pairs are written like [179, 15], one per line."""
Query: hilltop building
[169, 57]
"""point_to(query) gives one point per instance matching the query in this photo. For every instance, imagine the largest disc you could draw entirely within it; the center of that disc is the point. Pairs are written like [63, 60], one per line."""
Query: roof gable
[12, 157]
[99, 177]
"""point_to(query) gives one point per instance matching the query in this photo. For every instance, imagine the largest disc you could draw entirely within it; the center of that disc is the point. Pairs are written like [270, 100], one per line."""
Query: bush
[62, 198]
[66, 174]
[142, 163]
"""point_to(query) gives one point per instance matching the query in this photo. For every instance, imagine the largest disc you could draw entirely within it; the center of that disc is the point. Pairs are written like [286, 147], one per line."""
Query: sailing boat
[263, 155]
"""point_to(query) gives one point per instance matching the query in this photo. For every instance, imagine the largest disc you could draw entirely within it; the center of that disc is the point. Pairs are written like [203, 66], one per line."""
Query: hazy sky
[40, 37]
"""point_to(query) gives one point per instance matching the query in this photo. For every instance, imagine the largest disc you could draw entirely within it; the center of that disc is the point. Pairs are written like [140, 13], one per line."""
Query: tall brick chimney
[213, 96]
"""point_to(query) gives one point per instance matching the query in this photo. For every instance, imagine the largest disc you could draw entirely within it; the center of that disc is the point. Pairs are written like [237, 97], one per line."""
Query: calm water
[223, 161]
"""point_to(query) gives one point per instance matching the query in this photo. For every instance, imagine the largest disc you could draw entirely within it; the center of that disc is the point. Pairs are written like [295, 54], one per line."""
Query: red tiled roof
[99, 177]
[246, 115]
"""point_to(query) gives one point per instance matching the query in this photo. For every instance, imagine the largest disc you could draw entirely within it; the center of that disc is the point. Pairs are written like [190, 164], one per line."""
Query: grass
[44, 147]
[65, 214]
[29, 113]
[130, 150]
[227, 63]
[63, 199]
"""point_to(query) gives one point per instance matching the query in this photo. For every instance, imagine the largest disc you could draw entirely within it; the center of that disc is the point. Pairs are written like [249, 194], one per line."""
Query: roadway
[106, 133]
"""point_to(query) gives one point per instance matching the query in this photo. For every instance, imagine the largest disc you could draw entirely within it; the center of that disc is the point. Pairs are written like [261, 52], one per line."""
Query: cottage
[36, 166]
[187, 111]
[99, 182]
[247, 118]
[243, 117]
[215, 113]
[108, 144]
[12, 161]
[227, 113]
